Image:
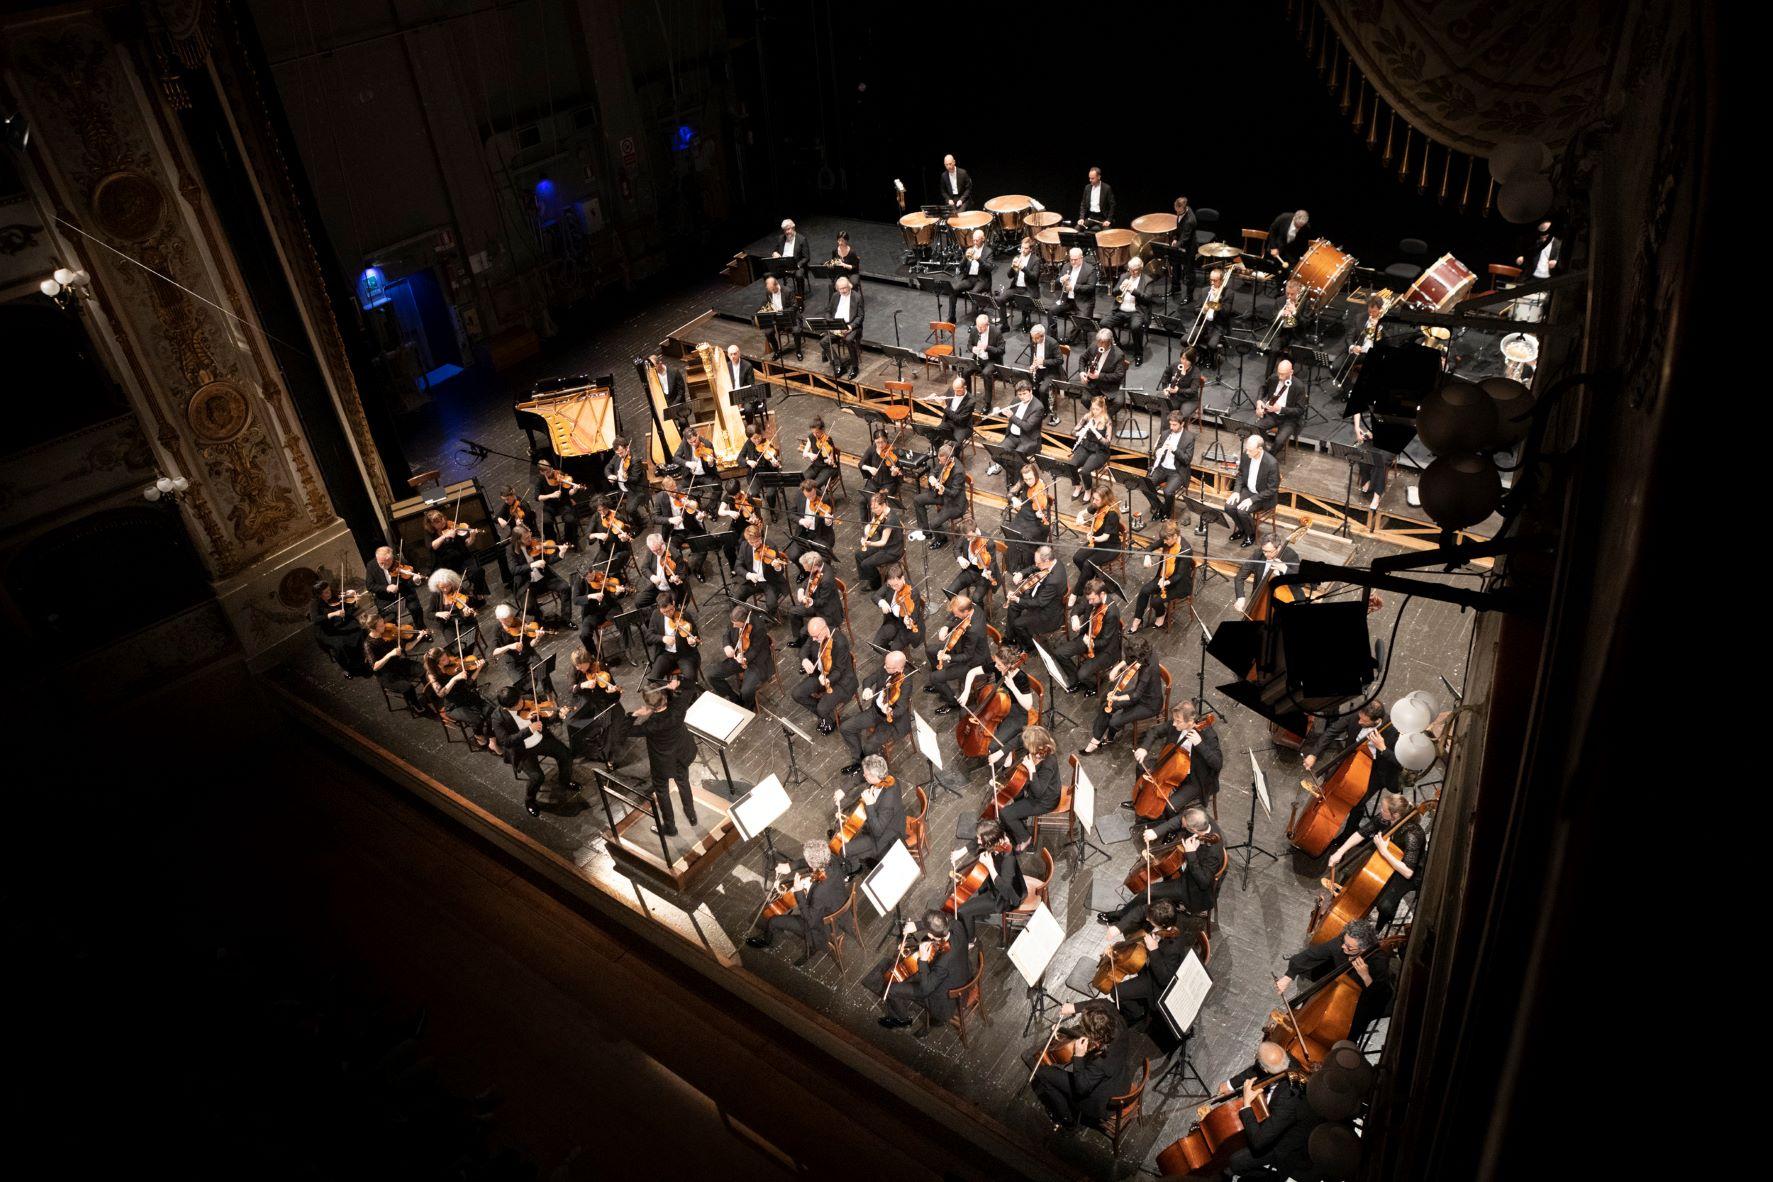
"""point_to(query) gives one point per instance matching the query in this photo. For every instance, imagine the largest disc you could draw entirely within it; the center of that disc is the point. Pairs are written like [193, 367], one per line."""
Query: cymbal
[1218, 250]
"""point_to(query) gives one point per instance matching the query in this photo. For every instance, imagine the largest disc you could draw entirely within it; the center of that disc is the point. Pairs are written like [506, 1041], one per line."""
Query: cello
[991, 704]
[975, 879]
[1166, 861]
[1155, 786]
[1007, 791]
[1313, 829]
[1218, 1132]
[1346, 902]
[1324, 1015]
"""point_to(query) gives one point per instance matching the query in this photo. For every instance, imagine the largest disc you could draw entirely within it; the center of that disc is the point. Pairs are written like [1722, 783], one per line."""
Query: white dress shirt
[843, 308]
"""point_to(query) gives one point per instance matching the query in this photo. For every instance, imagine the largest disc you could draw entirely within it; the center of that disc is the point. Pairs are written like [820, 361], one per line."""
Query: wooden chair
[1062, 816]
[431, 476]
[1255, 241]
[1123, 1111]
[941, 348]
[1163, 716]
[834, 928]
[1016, 920]
[969, 1001]
[916, 837]
[899, 409]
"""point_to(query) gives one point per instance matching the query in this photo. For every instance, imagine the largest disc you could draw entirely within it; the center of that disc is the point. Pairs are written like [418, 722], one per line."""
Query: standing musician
[1035, 603]
[450, 548]
[389, 657]
[1372, 463]
[682, 514]
[815, 524]
[338, 628]
[1173, 580]
[1183, 238]
[880, 464]
[535, 575]
[760, 454]
[842, 348]
[739, 372]
[670, 748]
[1393, 807]
[676, 645]
[597, 728]
[1374, 728]
[696, 457]
[1135, 693]
[846, 260]
[1288, 236]
[975, 273]
[527, 741]
[1105, 367]
[1358, 947]
[1078, 1092]
[1090, 452]
[941, 965]
[516, 637]
[1194, 887]
[1538, 261]
[659, 570]
[978, 575]
[901, 613]
[817, 595]
[830, 674]
[944, 487]
[1095, 209]
[1012, 674]
[1182, 384]
[1004, 887]
[1206, 760]
[1278, 558]
[1102, 533]
[1031, 521]
[554, 493]
[451, 681]
[1132, 303]
[1172, 466]
[453, 610]
[819, 893]
[985, 345]
[1023, 277]
[776, 300]
[1022, 417]
[885, 714]
[1255, 488]
[671, 381]
[957, 412]
[763, 569]
[1093, 645]
[394, 586]
[956, 186]
[620, 468]
[820, 453]
[1167, 942]
[790, 245]
[883, 542]
[882, 803]
[748, 659]
[1280, 410]
[955, 651]
[1074, 287]
[1040, 795]
[1214, 319]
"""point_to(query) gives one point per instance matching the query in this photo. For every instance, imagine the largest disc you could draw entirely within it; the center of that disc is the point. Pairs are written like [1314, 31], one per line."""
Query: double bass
[1346, 902]
[991, 704]
[1218, 1132]
[1155, 786]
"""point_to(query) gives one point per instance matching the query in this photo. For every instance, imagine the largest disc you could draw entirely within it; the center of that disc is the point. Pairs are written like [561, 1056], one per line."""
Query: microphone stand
[899, 356]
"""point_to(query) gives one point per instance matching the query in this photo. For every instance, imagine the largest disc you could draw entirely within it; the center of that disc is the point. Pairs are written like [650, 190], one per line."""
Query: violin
[541, 548]
[1155, 786]
[1165, 861]
[534, 708]
[1218, 1132]
[612, 522]
[991, 704]
[603, 582]
[1127, 677]
[401, 570]
[770, 453]
[459, 601]
[528, 629]
[449, 664]
[770, 557]
[682, 627]
[703, 451]
[461, 529]
[403, 633]
[561, 480]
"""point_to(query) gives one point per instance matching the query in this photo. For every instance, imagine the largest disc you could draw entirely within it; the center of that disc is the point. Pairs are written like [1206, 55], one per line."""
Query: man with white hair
[985, 345]
[843, 347]
[955, 185]
[775, 300]
[819, 891]
[792, 246]
[1257, 487]
[1131, 298]
[975, 272]
[1104, 367]
[1074, 288]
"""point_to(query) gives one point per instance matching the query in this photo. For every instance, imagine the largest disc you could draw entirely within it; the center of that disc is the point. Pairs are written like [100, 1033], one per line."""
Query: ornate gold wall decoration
[217, 412]
[128, 205]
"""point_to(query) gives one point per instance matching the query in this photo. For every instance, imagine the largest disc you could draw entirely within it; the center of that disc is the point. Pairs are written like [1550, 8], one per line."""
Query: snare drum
[1441, 286]
[962, 225]
[1114, 247]
[1042, 219]
[919, 230]
[1323, 269]
[1051, 249]
[1009, 211]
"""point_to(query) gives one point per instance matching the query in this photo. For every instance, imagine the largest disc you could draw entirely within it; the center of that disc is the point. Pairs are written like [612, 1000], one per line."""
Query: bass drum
[1441, 286]
[1323, 269]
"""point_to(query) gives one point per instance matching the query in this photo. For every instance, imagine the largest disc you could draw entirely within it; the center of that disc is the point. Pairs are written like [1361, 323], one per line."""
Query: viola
[906, 967]
[541, 548]
[1152, 791]
[528, 629]
[1165, 861]
[601, 581]
[1218, 1132]
[1060, 1052]
[534, 708]
[449, 664]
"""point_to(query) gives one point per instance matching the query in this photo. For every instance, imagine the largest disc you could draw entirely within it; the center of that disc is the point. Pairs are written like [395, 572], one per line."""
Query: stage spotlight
[1392, 384]
[1461, 489]
[1304, 658]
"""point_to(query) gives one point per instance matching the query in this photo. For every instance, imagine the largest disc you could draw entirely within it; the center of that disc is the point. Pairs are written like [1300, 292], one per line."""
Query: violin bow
[1043, 1050]
[903, 936]
[1293, 1020]
[454, 521]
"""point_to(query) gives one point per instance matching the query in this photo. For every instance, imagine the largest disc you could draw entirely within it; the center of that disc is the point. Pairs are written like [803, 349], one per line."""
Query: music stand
[1007, 458]
[940, 285]
[1058, 683]
[708, 543]
[1055, 467]
[885, 885]
[781, 324]
[754, 812]
[1129, 400]
[1180, 1004]
[931, 750]
[1083, 807]
[1076, 391]
[1258, 790]
[1032, 952]
[721, 722]
[900, 356]
[793, 267]
[541, 672]
[1154, 407]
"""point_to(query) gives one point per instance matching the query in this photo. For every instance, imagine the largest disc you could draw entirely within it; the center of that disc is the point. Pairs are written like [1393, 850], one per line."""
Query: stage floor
[1259, 925]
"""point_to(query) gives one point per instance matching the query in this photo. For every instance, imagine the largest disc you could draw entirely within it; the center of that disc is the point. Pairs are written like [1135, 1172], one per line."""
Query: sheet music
[1083, 800]
[1036, 945]
[927, 745]
[759, 808]
[1182, 997]
[1260, 782]
[886, 884]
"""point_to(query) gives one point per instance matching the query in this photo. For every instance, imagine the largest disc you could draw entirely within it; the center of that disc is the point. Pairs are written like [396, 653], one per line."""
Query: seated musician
[1369, 333]
[1271, 1059]
[658, 571]
[1047, 364]
[1104, 367]
[1022, 418]
[817, 595]
[1092, 646]
[1172, 580]
[975, 273]
[978, 575]
[1255, 488]
[830, 673]
[675, 643]
[390, 659]
[819, 892]
[1409, 838]
[337, 627]
[883, 541]
[1031, 521]
[741, 511]
[878, 474]
[513, 510]
[597, 728]
[620, 469]
[1102, 533]
[1004, 887]
[946, 488]
[1279, 1146]
[611, 539]
[1094, 437]
[1183, 384]
[845, 259]
[901, 613]
[695, 455]
[1373, 464]
[1281, 409]
[681, 513]
[1277, 559]
[535, 577]
[882, 801]
[1290, 321]
[1100, 1069]
[1074, 287]
[527, 741]
[1194, 888]
[514, 638]
[560, 517]
[842, 348]
[957, 412]
[394, 587]
[761, 455]
[1215, 319]
[820, 453]
[885, 714]
[815, 526]
[1133, 295]
[1167, 937]
[452, 686]
[1022, 278]
[791, 245]
[1205, 760]
[670, 749]
[1095, 209]
[955, 651]
[1035, 604]
[775, 300]
[451, 547]
[748, 659]
[985, 345]
[1172, 466]
[453, 614]
[764, 570]
[1369, 725]
[942, 965]
[1040, 795]
[1135, 692]
[1008, 669]
[1357, 948]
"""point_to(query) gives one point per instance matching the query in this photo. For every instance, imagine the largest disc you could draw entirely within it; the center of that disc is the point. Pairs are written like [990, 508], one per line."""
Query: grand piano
[578, 419]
